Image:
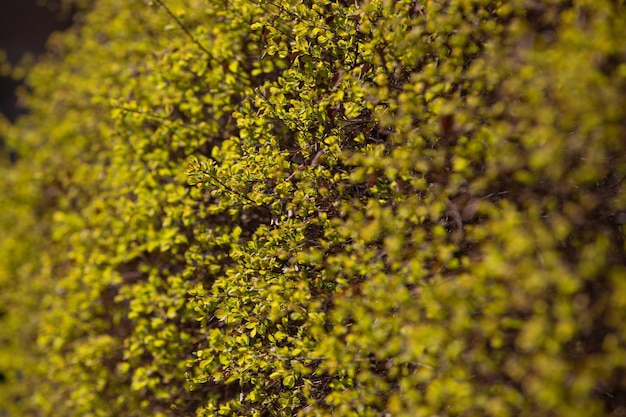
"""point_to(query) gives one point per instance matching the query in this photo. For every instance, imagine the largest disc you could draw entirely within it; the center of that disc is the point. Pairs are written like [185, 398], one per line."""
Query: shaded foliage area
[320, 208]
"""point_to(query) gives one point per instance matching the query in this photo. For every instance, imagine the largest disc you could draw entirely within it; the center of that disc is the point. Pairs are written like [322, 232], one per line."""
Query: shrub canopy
[316, 208]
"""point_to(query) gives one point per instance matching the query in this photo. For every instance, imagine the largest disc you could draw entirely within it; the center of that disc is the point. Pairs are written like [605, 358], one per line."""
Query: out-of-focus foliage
[317, 207]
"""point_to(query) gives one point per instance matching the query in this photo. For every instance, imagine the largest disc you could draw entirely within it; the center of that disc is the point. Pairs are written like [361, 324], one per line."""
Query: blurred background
[24, 27]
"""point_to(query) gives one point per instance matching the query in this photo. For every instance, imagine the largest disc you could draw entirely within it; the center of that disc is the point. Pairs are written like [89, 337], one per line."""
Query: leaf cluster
[319, 207]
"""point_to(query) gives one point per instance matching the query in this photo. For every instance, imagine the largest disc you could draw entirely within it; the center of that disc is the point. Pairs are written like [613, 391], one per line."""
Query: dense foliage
[315, 208]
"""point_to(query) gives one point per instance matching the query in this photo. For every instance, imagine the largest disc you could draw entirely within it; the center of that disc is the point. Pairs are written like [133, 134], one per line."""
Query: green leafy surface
[319, 208]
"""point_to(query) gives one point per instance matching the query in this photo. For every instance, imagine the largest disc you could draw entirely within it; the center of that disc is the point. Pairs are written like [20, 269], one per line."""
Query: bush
[320, 208]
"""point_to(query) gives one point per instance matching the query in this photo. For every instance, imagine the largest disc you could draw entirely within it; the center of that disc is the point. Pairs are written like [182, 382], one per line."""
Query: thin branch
[187, 32]
[253, 203]
[198, 43]
[164, 120]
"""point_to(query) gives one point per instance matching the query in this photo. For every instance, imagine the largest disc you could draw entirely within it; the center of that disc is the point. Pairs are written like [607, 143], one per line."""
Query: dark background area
[24, 27]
